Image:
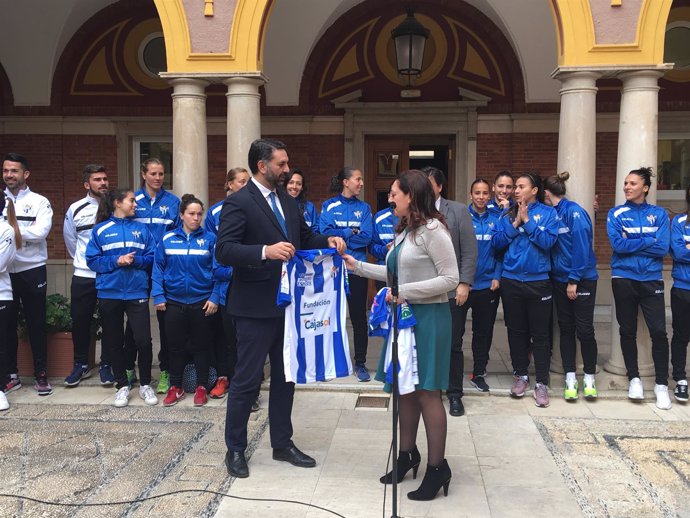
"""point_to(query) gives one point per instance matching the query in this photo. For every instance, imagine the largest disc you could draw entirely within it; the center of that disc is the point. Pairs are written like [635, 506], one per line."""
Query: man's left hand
[461, 293]
[338, 243]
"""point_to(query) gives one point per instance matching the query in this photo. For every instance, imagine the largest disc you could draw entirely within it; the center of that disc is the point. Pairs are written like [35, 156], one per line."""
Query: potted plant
[59, 331]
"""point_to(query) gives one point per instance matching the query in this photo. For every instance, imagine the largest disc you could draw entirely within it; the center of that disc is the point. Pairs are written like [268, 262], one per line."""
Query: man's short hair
[91, 169]
[16, 157]
[262, 150]
[438, 176]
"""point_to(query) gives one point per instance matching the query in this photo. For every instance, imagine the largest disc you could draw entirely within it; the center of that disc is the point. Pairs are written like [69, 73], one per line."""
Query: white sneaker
[148, 395]
[4, 404]
[122, 397]
[636, 390]
[663, 400]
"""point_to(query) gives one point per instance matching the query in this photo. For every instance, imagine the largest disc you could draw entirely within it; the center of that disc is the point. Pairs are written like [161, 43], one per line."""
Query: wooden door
[385, 158]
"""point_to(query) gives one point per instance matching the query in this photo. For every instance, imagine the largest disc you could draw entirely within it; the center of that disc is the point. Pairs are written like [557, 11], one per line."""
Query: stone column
[190, 146]
[577, 155]
[243, 119]
[637, 147]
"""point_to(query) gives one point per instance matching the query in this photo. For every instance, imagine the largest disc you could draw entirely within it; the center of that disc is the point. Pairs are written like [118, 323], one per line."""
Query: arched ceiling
[30, 50]
[303, 22]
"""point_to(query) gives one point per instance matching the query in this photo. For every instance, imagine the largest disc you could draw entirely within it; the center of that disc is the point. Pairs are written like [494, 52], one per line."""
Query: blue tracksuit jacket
[488, 266]
[572, 257]
[527, 255]
[109, 240]
[183, 268]
[339, 215]
[640, 238]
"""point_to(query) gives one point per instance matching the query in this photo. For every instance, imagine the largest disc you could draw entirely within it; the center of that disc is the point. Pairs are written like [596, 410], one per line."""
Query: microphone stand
[396, 396]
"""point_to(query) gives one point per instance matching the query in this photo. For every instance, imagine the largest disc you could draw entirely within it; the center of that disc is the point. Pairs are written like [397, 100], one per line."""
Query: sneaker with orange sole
[174, 395]
[220, 389]
[200, 398]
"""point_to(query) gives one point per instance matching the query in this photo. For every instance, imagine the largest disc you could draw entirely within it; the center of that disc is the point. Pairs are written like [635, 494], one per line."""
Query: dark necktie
[279, 216]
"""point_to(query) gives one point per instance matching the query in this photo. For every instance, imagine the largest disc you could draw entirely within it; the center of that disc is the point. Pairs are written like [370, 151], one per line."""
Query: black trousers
[225, 343]
[680, 309]
[576, 317]
[84, 300]
[484, 304]
[5, 312]
[190, 330]
[527, 307]
[357, 306]
[29, 289]
[131, 348]
[649, 296]
[257, 338]
[113, 314]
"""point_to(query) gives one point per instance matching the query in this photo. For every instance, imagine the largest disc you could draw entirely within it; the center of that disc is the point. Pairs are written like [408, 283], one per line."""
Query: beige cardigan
[427, 265]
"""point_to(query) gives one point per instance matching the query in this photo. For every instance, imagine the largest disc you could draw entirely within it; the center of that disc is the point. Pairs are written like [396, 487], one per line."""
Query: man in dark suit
[260, 227]
[461, 230]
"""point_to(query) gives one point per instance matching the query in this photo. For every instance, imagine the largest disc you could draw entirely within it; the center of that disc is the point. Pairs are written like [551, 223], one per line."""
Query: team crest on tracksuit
[200, 242]
[358, 214]
[163, 209]
[537, 218]
[651, 218]
[136, 234]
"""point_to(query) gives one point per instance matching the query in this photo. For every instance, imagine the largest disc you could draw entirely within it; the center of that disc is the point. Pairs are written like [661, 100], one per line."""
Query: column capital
[243, 86]
[646, 79]
[189, 87]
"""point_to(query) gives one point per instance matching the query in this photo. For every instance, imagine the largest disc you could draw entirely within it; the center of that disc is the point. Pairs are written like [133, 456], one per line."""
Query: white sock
[570, 376]
[682, 382]
[589, 377]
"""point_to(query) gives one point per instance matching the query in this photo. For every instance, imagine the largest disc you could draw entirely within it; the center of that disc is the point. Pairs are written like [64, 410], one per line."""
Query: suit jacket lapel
[263, 205]
[443, 207]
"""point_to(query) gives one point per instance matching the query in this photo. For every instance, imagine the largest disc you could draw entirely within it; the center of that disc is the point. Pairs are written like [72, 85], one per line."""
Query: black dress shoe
[237, 464]
[456, 407]
[294, 456]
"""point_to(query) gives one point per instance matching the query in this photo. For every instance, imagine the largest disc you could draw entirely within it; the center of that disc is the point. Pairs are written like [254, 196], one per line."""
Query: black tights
[428, 405]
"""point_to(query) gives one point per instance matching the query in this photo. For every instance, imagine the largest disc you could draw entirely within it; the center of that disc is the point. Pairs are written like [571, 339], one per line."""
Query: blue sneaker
[361, 372]
[106, 374]
[81, 371]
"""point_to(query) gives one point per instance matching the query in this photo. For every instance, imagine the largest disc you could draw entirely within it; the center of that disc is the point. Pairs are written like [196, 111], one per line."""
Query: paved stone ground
[82, 454]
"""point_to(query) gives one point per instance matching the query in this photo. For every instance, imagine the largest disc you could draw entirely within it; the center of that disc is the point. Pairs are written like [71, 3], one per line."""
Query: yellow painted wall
[246, 39]
[576, 39]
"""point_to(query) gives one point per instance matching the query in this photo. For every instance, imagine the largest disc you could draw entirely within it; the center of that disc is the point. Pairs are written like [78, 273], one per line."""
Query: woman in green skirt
[423, 257]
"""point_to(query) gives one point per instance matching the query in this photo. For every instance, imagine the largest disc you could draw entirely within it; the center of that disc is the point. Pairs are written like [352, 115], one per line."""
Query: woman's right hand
[125, 260]
[350, 262]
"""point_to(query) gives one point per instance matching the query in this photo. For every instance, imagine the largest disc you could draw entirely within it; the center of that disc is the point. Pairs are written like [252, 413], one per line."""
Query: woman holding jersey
[525, 234]
[574, 277]
[121, 253]
[184, 288]
[640, 238]
[423, 258]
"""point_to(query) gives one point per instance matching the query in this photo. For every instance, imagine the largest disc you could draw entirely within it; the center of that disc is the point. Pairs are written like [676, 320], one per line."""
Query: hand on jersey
[350, 262]
[282, 251]
[338, 243]
[389, 297]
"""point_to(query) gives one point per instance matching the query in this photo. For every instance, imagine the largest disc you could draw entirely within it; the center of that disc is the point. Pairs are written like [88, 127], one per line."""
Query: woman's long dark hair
[302, 196]
[422, 200]
[536, 181]
[11, 219]
[107, 205]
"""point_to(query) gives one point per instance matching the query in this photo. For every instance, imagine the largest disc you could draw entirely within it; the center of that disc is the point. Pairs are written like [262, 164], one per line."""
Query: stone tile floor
[610, 457]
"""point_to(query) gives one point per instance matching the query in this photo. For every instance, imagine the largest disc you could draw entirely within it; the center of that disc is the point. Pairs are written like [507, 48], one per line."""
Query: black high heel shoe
[435, 478]
[406, 460]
